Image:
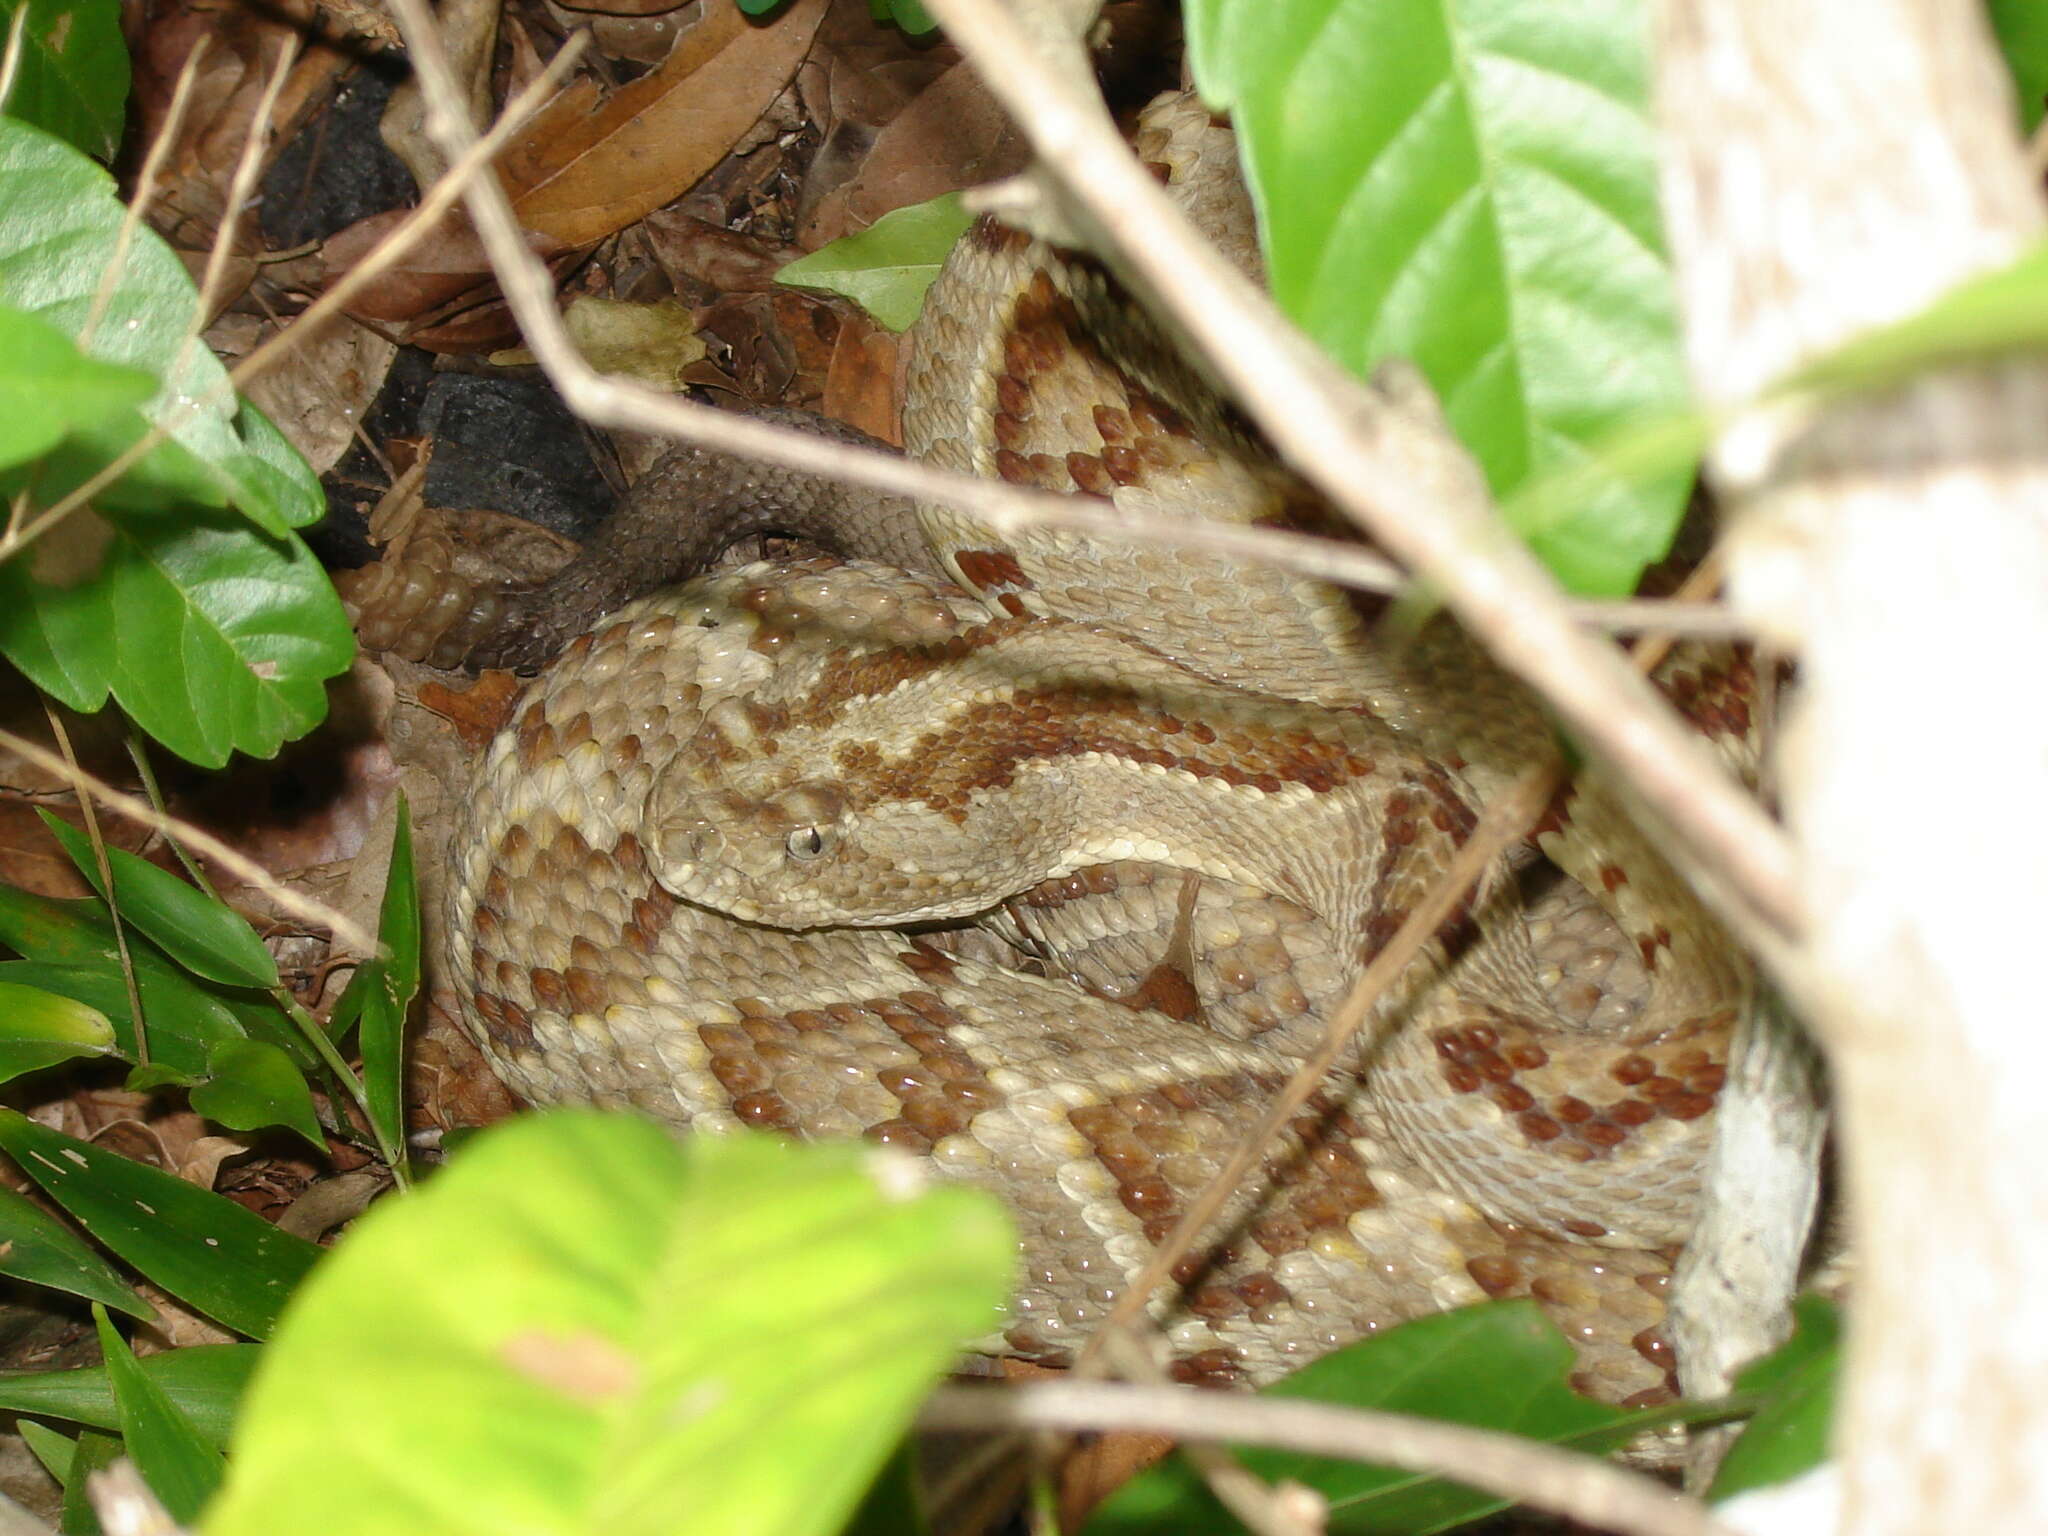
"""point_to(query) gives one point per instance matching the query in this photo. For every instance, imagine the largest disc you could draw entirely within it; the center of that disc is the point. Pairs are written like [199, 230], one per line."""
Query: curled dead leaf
[585, 169]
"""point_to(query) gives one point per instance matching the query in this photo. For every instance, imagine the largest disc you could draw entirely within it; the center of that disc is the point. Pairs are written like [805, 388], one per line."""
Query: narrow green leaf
[182, 1470]
[35, 1246]
[207, 937]
[1472, 187]
[49, 388]
[208, 1251]
[205, 1382]
[56, 246]
[188, 1017]
[583, 1326]
[1500, 1365]
[52, 1449]
[73, 79]
[252, 1085]
[39, 1029]
[887, 267]
[1788, 1434]
[214, 638]
[392, 982]
[2022, 28]
[94, 1452]
[910, 15]
[184, 1023]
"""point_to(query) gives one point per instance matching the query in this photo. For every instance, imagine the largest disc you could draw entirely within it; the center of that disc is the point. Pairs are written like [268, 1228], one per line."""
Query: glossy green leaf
[52, 1449]
[213, 637]
[73, 79]
[1501, 1365]
[49, 388]
[887, 267]
[387, 985]
[583, 1326]
[35, 1246]
[205, 1381]
[1471, 186]
[1788, 1434]
[207, 937]
[39, 1029]
[251, 1085]
[910, 15]
[184, 1022]
[181, 1468]
[94, 1452]
[70, 949]
[56, 247]
[206, 1250]
[2022, 29]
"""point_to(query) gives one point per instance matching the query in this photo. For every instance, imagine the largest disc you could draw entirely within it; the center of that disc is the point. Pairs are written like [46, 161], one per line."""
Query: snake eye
[807, 842]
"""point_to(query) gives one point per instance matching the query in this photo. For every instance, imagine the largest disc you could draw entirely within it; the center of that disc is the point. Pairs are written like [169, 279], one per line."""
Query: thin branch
[1582, 1488]
[1415, 492]
[239, 187]
[315, 914]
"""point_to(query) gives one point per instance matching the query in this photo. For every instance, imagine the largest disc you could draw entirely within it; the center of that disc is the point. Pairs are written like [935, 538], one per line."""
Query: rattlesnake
[1181, 803]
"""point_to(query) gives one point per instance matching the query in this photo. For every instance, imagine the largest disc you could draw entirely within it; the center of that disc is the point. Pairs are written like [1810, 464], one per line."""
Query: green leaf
[52, 1449]
[387, 984]
[251, 1085]
[1788, 1434]
[35, 1246]
[73, 79]
[39, 1029]
[206, 1250]
[2022, 29]
[94, 1452]
[1499, 1365]
[72, 945]
[56, 247]
[184, 1022]
[207, 937]
[910, 15]
[1473, 187]
[48, 387]
[214, 638]
[887, 267]
[205, 1382]
[583, 1326]
[182, 1470]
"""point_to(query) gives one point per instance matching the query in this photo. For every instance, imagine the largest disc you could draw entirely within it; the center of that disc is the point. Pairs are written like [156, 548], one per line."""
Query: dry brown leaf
[243, 46]
[322, 387]
[698, 255]
[953, 135]
[860, 382]
[585, 170]
[478, 712]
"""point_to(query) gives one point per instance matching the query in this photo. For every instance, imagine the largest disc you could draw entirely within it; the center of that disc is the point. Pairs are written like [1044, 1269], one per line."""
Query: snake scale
[1046, 863]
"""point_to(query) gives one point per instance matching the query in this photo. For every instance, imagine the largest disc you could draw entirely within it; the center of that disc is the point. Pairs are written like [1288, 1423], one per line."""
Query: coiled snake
[1176, 805]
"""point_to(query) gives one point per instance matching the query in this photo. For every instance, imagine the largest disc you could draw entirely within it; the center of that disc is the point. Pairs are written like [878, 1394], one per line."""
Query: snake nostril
[688, 842]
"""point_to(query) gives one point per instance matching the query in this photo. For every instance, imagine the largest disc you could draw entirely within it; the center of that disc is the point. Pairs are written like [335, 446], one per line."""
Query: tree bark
[1831, 165]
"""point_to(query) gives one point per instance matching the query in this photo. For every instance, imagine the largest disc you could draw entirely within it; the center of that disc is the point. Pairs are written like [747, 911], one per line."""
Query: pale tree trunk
[1830, 165]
